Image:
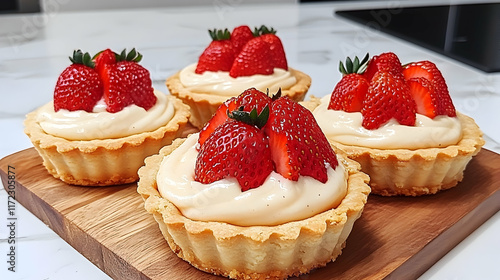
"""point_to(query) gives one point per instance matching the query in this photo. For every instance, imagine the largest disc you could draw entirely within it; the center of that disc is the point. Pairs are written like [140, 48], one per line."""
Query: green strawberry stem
[133, 55]
[263, 30]
[252, 117]
[276, 95]
[219, 34]
[357, 66]
[82, 58]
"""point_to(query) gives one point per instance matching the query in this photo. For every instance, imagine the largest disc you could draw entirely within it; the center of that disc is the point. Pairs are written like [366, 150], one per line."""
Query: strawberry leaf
[252, 117]
[82, 58]
[219, 34]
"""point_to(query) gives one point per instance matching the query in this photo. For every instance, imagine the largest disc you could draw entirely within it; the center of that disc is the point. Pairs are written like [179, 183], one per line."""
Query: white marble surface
[34, 50]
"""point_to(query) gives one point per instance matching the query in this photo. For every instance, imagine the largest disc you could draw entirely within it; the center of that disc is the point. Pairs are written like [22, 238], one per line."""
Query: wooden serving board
[396, 238]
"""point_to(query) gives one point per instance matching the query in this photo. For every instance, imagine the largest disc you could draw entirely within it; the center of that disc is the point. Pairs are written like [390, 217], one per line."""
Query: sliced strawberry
[78, 86]
[349, 93]
[298, 146]
[386, 62]
[428, 70]
[235, 149]
[275, 47]
[219, 55]
[425, 96]
[240, 36]
[249, 99]
[126, 82]
[254, 58]
[388, 97]
[219, 117]
[103, 58]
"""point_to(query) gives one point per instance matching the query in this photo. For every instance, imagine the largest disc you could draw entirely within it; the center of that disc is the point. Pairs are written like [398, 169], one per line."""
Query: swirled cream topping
[277, 201]
[100, 124]
[346, 129]
[220, 83]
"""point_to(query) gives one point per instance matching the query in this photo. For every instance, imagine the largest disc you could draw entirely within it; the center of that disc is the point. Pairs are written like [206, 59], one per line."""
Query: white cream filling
[277, 201]
[346, 128]
[220, 83]
[100, 124]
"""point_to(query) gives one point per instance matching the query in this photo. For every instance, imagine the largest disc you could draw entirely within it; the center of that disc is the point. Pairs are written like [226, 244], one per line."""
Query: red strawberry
[219, 55]
[249, 99]
[350, 91]
[275, 47]
[102, 59]
[426, 98]
[298, 146]
[240, 36]
[79, 86]
[429, 71]
[235, 149]
[126, 82]
[219, 117]
[388, 97]
[386, 62]
[254, 58]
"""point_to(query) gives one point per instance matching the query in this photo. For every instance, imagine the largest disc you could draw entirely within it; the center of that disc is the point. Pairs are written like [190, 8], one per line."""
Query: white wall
[80, 5]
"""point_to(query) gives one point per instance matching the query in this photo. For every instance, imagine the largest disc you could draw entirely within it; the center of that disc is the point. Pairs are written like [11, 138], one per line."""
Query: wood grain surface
[396, 238]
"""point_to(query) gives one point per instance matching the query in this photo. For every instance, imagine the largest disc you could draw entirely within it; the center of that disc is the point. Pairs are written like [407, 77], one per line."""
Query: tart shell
[255, 252]
[415, 172]
[103, 162]
[204, 105]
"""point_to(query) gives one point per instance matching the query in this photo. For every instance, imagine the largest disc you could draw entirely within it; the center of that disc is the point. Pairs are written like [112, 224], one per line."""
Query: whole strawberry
[240, 36]
[275, 46]
[237, 149]
[388, 97]
[350, 91]
[298, 146]
[126, 82]
[254, 58]
[219, 55]
[79, 86]
[247, 100]
[385, 62]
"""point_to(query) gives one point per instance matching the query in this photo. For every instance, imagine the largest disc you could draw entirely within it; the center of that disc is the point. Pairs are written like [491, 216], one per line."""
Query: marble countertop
[34, 49]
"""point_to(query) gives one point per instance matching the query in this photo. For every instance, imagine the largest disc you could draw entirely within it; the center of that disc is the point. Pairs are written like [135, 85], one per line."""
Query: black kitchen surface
[469, 33]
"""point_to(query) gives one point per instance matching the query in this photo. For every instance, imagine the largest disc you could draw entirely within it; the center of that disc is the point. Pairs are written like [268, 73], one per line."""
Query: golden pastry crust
[204, 105]
[415, 172]
[255, 252]
[103, 162]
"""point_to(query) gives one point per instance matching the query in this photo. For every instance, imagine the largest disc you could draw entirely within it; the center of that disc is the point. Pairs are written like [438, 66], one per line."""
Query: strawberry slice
[275, 47]
[254, 58]
[219, 117]
[298, 146]
[126, 82]
[104, 58]
[425, 96]
[388, 96]
[240, 36]
[386, 62]
[219, 55]
[238, 150]
[428, 70]
[249, 99]
[79, 86]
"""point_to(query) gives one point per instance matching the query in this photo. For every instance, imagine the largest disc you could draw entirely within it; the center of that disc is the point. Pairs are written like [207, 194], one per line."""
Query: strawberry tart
[255, 194]
[231, 63]
[399, 122]
[105, 119]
